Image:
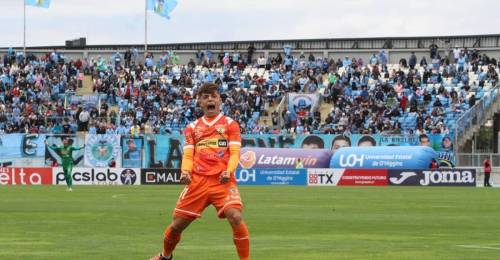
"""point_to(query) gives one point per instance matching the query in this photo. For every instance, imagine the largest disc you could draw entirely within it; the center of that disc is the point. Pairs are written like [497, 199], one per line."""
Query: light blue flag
[162, 7]
[38, 3]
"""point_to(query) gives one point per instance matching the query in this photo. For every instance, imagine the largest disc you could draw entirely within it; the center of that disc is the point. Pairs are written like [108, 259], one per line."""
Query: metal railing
[476, 159]
[476, 115]
[280, 108]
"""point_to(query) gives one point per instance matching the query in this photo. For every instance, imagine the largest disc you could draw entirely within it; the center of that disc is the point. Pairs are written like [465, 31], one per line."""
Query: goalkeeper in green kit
[66, 152]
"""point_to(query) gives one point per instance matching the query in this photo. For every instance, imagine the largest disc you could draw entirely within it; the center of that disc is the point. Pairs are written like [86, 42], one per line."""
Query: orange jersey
[211, 141]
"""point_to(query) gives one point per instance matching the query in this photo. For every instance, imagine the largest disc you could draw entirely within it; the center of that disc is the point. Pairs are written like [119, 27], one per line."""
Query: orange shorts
[206, 190]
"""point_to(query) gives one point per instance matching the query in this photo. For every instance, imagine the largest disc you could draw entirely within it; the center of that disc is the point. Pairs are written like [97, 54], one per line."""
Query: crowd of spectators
[37, 94]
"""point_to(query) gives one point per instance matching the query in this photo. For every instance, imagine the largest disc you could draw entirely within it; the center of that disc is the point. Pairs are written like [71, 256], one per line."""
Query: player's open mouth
[210, 107]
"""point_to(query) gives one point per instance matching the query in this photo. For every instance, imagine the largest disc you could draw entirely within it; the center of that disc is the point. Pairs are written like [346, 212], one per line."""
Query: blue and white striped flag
[38, 3]
[162, 7]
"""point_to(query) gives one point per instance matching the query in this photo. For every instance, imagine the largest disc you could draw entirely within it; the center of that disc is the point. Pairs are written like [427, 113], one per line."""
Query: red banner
[25, 176]
[370, 177]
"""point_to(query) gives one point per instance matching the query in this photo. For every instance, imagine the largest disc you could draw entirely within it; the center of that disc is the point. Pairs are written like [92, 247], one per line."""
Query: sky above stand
[106, 22]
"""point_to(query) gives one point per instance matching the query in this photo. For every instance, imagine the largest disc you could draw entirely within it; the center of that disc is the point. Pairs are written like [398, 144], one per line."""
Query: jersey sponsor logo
[25, 176]
[208, 143]
[210, 155]
[222, 143]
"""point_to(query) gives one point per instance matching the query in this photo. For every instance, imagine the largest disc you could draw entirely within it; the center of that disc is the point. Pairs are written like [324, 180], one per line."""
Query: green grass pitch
[124, 222]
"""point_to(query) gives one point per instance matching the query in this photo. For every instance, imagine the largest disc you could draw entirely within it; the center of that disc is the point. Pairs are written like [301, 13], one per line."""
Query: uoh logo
[246, 176]
[351, 160]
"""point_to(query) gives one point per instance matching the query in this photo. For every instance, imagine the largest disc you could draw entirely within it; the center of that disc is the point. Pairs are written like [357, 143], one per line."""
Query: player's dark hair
[208, 88]
[367, 138]
[314, 139]
[342, 137]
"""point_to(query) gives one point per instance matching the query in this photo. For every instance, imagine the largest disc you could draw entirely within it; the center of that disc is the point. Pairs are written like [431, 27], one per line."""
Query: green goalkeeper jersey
[66, 153]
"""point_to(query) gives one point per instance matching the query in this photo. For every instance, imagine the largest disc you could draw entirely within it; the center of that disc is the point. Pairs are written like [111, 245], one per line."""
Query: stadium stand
[39, 94]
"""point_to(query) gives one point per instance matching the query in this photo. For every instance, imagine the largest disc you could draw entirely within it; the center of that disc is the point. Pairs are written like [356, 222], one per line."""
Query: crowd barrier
[460, 177]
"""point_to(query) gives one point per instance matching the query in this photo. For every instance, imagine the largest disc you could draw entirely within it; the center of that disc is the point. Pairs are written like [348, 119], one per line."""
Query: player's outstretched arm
[78, 148]
[187, 165]
[52, 147]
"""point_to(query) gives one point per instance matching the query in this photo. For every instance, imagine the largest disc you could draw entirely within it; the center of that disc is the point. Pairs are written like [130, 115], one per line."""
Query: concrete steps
[87, 86]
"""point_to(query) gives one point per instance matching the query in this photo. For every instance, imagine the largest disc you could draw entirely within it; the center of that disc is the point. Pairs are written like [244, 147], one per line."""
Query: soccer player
[66, 153]
[211, 155]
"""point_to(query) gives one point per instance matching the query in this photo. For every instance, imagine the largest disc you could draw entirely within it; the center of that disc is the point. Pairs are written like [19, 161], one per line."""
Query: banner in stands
[440, 143]
[328, 141]
[163, 151]
[99, 176]
[415, 157]
[53, 158]
[346, 177]
[434, 177]
[266, 158]
[102, 151]
[131, 152]
[22, 150]
[87, 101]
[299, 103]
[271, 176]
[25, 176]
[160, 176]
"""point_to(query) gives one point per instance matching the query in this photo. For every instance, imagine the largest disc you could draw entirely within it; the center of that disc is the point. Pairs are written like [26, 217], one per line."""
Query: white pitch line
[479, 247]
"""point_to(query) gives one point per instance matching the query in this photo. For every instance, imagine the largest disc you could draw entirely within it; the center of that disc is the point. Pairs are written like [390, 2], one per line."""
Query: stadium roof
[417, 42]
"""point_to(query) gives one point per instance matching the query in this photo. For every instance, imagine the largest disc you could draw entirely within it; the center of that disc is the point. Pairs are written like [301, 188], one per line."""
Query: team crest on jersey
[220, 129]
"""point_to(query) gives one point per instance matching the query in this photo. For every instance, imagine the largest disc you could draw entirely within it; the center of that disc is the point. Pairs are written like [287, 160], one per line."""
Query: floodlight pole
[145, 28]
[24, 28]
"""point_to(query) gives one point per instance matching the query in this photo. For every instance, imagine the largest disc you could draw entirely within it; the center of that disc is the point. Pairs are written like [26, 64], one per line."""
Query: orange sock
[241, 240]
[170, 240]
